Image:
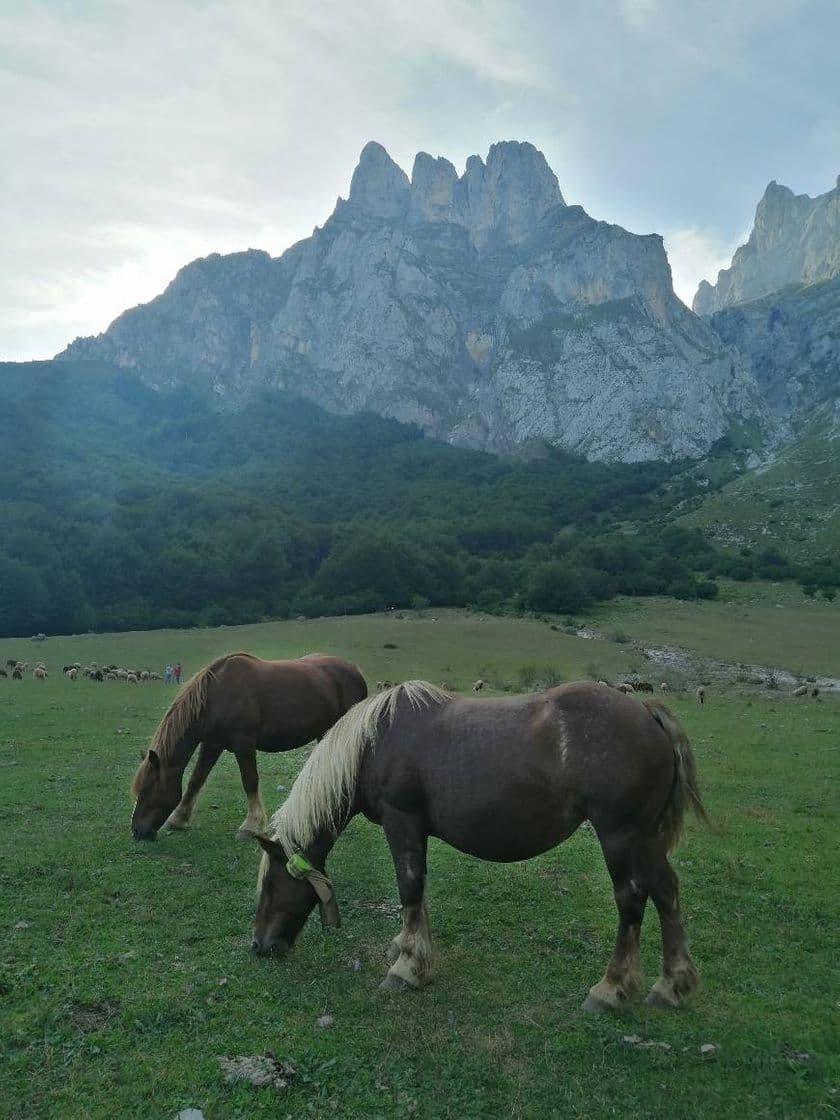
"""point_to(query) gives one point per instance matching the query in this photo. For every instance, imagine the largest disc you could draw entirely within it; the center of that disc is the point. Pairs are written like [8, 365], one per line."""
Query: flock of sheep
[18, 669]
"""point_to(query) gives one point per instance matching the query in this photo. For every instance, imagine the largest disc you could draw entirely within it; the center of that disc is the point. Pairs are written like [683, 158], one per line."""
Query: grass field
[124, 970]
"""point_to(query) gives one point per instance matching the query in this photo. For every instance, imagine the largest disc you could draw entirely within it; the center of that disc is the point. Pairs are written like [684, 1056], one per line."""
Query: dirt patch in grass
[93, 1015]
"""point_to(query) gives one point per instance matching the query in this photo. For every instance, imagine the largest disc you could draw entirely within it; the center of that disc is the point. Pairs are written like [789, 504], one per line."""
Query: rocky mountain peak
[499, 202]
[509, 194]
[435, 191]
[379, 187]
[795, 239]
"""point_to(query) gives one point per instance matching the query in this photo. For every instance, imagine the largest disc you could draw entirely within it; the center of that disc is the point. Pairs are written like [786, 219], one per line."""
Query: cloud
[134, 133]
[694, 255]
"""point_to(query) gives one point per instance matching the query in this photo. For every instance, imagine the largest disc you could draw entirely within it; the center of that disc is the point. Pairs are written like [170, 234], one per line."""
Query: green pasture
[775, 625]
[124, 969]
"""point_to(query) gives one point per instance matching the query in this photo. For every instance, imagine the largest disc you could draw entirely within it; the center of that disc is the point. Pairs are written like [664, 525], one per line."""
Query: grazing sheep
[17, 673]
[815, 692]
[132, 677]
[70, 673]
[701, 694]
[478, 685]
[625, 687]
[801, 691]
[642, 686]
[664, 687]
[39, 673]
[3, 673]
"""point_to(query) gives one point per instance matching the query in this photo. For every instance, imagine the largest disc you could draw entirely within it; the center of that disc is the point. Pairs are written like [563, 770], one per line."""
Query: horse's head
[157, 790]
[286, 900]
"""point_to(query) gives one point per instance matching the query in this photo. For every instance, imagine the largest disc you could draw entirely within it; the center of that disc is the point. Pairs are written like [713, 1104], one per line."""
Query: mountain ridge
[480, 307]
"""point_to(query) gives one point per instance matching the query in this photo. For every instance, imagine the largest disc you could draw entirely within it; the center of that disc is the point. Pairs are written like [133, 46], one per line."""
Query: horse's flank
[325, 786]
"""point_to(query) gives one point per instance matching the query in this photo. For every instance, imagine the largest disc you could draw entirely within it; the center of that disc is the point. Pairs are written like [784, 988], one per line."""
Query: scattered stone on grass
[708, 1050]
[325, 1021]
[798, 1057]
[640, 1043]
[190, 1114]
[356, 965]
[381, 906]
[22, 924]
[259, 1070]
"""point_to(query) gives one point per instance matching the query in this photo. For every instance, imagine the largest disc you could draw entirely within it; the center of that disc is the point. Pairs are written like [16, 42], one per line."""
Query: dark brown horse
[242, 704]
[503, 780]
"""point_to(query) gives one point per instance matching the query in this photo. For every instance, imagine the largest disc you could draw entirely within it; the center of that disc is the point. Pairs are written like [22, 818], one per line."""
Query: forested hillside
[123, 507]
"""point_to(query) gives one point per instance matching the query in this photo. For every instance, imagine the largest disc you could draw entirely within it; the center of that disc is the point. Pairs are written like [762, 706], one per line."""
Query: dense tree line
[124, 508]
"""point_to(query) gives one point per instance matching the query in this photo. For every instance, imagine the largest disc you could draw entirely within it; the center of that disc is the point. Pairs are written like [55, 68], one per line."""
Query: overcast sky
[136, 135]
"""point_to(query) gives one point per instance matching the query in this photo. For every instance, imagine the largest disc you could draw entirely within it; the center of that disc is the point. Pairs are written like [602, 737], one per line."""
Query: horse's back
[282, 703]
[505, 778]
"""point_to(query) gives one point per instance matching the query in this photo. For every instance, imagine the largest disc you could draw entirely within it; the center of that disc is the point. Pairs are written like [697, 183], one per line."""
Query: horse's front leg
[208, 756]
[412, 947]
[256, 819]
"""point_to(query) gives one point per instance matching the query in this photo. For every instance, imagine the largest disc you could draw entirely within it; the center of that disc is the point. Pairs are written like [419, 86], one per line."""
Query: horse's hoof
[394, 983]
[175, 826]
[660, 1002]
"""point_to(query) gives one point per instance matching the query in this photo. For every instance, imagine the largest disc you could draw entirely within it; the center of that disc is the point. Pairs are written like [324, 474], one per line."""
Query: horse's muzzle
[144, 833]
[270, 946]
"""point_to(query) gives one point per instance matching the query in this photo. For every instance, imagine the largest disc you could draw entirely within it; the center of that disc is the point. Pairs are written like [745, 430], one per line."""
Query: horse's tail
[325, 788]
[185, 711]
[685, 791]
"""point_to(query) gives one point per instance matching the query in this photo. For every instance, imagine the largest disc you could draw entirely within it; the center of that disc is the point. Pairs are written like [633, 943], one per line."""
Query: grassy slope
[131, 974]
[755, 623]
[792, 503]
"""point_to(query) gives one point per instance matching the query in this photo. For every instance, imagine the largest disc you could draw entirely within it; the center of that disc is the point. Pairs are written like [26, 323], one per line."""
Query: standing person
[178, 672]
[167, 674]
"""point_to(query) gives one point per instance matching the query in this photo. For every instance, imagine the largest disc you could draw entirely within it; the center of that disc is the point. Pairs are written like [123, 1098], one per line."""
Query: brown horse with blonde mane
[242, 704]
[501, 779]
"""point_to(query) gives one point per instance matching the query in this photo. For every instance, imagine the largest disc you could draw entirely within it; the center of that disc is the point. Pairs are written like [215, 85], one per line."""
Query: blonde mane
[325, 787]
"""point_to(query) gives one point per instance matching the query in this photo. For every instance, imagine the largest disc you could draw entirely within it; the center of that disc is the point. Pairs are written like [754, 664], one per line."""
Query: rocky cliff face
[795, 240]
[791, 342]
[481, 307]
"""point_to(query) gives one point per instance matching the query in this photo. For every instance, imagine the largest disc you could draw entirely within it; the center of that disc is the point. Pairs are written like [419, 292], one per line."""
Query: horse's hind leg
[208, 756]
[679, 975]
[256, 819]
[412, 947]
[623, 980]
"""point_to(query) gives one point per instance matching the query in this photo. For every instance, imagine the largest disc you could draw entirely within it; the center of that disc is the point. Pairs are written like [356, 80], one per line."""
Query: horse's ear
[154, 760]
[270, 846]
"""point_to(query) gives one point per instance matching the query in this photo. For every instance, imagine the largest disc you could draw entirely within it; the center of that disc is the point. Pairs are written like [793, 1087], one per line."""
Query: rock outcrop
[795, 240]
[481, 307]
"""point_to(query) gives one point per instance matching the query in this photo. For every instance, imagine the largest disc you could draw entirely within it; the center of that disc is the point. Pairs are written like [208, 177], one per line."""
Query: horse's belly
[512, 830]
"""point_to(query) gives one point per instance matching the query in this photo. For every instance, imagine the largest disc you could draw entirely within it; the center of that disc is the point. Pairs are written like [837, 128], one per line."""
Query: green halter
[299, 867]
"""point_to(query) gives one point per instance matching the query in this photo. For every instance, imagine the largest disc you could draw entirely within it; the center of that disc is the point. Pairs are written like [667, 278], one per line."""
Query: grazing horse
[501, 780]
[242, 704]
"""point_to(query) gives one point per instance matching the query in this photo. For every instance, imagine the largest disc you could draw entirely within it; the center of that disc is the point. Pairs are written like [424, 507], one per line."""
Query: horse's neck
[318, 850]
[181, 752]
